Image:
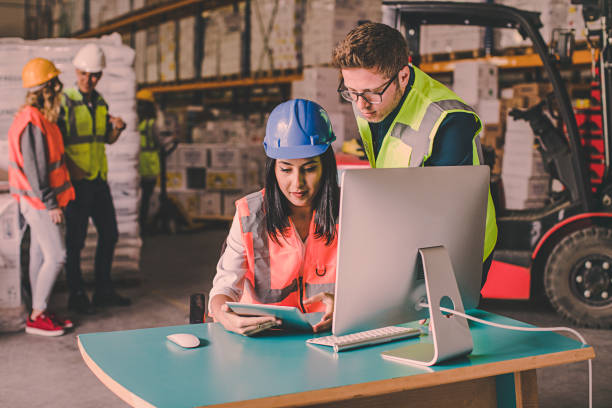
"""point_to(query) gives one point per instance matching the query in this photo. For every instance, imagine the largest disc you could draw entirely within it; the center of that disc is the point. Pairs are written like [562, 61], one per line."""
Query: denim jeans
[93, 199]
[47, 253]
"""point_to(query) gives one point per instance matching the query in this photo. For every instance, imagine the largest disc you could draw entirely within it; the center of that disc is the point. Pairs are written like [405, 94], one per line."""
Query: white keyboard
[365, 338]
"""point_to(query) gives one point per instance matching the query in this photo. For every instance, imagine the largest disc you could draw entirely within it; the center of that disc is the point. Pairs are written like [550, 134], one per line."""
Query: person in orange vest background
[281, 248]
[39, 181]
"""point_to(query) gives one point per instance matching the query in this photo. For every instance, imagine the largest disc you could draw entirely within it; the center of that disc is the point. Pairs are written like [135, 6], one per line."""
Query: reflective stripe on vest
[409, 140]
[59, 180]
[148, 159]
[85, 134]
[275, 271]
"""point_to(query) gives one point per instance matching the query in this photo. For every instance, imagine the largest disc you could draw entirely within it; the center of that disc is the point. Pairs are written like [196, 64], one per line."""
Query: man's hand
[57, 215]
[117, 122]
[326, 321]
[118, 125]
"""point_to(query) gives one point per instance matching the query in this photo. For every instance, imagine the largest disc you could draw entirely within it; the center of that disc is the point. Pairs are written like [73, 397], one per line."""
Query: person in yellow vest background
[148, 160]
[405, 117]
[281, 248]
[40, 182]
[86, 126]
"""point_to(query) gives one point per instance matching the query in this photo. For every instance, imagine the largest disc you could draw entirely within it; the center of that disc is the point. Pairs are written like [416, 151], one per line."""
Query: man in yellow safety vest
[86, 127]
[405, 117]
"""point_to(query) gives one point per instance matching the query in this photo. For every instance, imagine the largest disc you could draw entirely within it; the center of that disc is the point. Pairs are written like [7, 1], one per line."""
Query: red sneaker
[43, 326]
[64, 323]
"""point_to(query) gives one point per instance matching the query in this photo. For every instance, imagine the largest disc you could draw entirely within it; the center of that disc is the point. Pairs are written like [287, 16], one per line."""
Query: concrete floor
[49, 372]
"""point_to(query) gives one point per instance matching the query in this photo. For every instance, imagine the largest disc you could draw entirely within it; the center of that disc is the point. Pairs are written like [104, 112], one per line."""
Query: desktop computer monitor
[386, 217]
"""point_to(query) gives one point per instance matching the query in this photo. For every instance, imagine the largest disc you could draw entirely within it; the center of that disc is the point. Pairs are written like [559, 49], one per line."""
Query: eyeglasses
[370, 97]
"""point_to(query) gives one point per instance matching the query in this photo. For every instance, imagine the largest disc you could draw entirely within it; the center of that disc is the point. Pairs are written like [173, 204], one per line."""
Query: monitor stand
[450, 334]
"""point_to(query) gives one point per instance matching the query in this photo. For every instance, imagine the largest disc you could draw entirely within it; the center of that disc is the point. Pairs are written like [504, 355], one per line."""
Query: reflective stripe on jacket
[409, 140]
[85, 135]
[287, 273]
[59, 180]
[148, 160]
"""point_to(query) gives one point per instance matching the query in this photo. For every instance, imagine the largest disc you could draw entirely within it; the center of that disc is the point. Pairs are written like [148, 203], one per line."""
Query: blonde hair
[46, 100]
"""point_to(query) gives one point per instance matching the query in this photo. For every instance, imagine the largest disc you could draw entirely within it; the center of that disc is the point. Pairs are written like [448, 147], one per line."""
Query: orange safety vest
[284, 274]
[59, 179]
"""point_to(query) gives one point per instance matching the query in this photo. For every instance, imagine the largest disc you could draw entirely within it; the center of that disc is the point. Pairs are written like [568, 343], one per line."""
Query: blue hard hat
[298, 129]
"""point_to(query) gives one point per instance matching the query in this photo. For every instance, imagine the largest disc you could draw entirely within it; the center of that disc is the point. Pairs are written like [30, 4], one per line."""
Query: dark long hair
[326, 203]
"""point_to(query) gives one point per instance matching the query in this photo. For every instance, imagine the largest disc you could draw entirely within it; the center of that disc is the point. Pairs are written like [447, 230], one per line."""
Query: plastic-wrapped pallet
[327, 22]
[118, 87]
[223, 28]
[274, 34]
[12, 311]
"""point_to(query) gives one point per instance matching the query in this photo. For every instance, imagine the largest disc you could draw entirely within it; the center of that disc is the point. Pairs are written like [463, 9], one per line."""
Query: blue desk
[280, 369]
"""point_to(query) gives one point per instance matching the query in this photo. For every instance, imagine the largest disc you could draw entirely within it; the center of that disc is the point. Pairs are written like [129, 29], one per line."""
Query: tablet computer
[291, 317]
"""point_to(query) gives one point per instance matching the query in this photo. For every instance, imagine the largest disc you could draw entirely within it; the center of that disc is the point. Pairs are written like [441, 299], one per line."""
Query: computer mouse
[185, 340]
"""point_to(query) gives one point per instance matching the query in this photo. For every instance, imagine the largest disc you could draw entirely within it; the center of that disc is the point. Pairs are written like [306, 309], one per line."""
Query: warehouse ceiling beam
[232, 83]
[581, 57]
[149, 16]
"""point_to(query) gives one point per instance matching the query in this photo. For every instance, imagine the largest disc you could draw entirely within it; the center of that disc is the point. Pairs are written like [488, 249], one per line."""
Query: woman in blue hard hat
[281, 248]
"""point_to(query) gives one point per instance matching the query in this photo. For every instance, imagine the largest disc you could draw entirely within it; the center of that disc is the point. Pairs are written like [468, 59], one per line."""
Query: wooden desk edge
[425, 380]
[111, 384]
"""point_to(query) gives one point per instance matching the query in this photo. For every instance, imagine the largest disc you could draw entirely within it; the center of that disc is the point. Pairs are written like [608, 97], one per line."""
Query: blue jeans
[47, 253]
[92, 199]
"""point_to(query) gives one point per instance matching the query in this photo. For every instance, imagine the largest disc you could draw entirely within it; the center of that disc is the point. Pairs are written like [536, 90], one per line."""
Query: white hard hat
[90, 58]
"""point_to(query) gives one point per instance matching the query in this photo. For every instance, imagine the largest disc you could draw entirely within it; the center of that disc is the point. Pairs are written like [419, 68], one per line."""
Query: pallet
[453, 55]
[275, 73]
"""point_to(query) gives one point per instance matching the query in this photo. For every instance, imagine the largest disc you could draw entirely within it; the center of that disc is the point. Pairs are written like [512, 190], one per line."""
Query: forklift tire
[578, 277]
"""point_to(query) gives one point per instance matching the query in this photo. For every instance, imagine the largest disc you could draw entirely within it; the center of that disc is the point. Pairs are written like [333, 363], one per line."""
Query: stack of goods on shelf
[553, 14]
[319, 85]
[223, 32]
[11, 309]
[590, 126]
[436, 39]
[186, 48]
[476, 82]
[526, 181]
[225, 162]
[118, 87]
[274, 34]
[167, 51]
[326, 22]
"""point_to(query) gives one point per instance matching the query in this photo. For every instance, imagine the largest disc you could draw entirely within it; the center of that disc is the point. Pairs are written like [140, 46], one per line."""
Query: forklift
[565, 247]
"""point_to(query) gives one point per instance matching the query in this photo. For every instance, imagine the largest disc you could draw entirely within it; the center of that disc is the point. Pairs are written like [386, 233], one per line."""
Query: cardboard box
[489, 111]
[229, 202]
[531, 89]
[191, 155]
[175, 180]
[224, 179]
[493, 135]
[210, 203]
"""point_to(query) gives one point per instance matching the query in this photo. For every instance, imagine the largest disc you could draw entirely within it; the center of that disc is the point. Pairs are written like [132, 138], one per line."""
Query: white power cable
[529, 329]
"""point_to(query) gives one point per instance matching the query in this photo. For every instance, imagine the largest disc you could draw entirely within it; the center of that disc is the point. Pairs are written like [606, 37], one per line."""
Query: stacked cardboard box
[274, 34]
[553, 14]
[474, 81]
[186, 48]
[152, 55]
[167, 51]
[326, 22]
[526, 182]
[223, 32]
[201, 177]
[140, 60]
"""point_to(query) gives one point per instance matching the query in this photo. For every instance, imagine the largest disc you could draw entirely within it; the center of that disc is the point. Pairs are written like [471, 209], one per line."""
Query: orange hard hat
[145, 95]
[38, 71]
